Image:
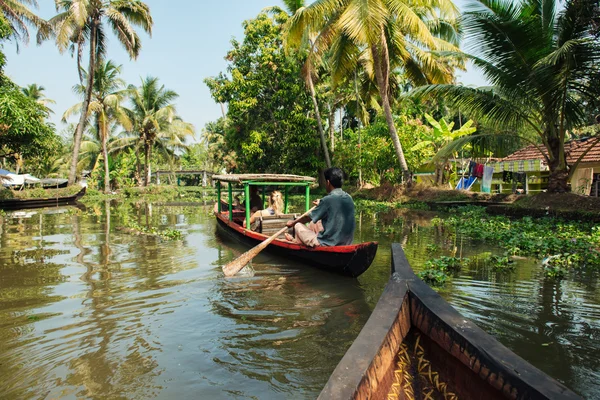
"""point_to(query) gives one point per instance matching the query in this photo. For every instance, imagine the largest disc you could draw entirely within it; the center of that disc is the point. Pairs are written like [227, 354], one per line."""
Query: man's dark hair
[335, 176]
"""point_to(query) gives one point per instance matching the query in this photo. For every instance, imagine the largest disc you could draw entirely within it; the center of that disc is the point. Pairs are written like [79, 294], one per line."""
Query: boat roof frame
[262, 180]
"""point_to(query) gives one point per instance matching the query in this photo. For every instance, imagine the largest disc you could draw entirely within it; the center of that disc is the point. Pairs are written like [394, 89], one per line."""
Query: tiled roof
[573, 150]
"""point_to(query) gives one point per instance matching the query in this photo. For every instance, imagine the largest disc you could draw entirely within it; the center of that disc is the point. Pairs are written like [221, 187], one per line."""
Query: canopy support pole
[307, 197]
[219, 196]
[230, 201]
[247, 195]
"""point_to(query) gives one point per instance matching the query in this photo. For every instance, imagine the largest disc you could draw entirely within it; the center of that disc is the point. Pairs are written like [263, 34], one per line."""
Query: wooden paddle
[236, 265]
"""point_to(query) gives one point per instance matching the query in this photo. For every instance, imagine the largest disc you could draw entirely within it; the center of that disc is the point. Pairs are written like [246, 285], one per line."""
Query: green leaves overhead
[267, 125]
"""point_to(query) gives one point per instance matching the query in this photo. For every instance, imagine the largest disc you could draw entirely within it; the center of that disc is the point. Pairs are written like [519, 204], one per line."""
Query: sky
[188, 44]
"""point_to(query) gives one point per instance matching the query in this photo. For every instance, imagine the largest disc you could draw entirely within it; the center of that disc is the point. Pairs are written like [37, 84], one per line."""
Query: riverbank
[568, 206]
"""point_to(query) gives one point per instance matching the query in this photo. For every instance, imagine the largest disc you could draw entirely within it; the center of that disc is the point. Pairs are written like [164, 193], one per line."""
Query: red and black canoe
[350, 260]
[416, 346]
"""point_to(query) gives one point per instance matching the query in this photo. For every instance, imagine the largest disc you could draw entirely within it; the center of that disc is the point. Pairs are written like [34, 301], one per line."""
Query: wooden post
[157, 178]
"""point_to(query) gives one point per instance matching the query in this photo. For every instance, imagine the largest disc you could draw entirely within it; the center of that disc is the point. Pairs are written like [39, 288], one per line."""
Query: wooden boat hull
[459, 358]
[19, 204]
[350, 260]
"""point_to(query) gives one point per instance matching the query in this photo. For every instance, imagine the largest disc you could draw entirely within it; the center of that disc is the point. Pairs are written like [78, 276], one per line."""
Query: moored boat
[415, 345]
[19, 204]
[350, 260]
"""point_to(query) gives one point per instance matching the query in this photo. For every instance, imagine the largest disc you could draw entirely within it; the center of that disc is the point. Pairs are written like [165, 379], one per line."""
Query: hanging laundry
[465, 183]
[486, 183]
[479, 171]
[472, 165]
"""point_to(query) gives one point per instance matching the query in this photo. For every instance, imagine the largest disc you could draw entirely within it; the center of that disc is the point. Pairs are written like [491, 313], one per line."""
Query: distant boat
[416, 346]
[18, 204]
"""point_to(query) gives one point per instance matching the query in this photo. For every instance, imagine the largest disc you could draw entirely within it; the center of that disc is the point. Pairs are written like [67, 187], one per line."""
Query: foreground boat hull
[20, 204]
[460, 360]
[346, 260]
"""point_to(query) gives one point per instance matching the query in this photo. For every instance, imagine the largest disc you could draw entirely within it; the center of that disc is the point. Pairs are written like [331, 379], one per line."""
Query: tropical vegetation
[540, 63]
[82, 22]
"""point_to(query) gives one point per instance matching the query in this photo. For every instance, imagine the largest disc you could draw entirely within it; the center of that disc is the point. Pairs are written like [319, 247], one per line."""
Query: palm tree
[36, 93]
[382, 35]
[81, 20]
[308, 69]
[107, 94]
[539, 64]
[155, 120]
[18, 15]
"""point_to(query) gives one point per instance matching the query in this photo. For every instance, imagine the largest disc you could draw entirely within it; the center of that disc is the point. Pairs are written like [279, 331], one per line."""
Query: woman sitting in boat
[275, 208]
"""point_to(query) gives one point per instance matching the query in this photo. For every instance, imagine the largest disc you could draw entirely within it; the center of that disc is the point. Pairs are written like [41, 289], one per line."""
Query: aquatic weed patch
[433, 277]
[437, 270]
[372, 205]
[539, 238]
[170, 234]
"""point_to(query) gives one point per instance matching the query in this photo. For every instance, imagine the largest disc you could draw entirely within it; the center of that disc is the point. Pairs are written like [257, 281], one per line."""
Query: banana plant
[441, 135]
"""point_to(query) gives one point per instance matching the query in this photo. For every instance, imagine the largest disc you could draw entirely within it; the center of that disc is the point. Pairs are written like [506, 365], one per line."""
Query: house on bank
[526, 170]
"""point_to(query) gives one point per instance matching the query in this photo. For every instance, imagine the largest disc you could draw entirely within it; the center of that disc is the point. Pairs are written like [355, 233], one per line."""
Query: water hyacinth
[573, 240]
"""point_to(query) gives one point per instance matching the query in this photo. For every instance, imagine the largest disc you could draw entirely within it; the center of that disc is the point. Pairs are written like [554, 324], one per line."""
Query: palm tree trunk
[147, 154]
[313, 95]
[105, 156]
[138, 166]
[559, 175]
[332, 126]
[86, 102]
[381, 65]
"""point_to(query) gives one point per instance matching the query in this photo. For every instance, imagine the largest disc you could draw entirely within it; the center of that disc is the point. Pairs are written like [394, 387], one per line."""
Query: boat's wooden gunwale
[285, 244]
[499, 372]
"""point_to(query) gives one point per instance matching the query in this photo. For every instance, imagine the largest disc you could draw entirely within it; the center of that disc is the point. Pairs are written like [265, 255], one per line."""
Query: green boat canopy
[261, 180]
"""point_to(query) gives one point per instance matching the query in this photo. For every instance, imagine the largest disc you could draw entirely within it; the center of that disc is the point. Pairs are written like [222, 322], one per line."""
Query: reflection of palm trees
[96, 370]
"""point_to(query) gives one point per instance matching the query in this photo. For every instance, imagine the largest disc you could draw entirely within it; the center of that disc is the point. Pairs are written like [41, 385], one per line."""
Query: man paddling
[332, 221]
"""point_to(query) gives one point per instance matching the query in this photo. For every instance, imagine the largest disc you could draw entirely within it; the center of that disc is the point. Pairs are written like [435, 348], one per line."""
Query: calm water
[88, 310]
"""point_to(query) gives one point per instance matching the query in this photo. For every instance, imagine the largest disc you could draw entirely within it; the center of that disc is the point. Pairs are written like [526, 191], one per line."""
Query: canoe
[350, 260]
[416, 346]
[18, 204]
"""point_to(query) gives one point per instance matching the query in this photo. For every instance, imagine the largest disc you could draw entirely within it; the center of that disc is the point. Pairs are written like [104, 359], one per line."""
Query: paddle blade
[236, 265]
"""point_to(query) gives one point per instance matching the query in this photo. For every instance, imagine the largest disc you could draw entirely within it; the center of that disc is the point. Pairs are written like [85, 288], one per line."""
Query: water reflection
[87, 310]
[282, 322]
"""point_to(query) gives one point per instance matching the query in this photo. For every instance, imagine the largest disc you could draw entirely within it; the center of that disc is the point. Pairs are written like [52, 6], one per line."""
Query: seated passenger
[275, 208]
[256, 202]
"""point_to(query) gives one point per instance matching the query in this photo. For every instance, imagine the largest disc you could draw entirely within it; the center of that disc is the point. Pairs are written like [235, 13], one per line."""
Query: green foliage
[39, 193]
[375, 154]
[267, 126]
[432, 248]
[170, 234]
[22, 126]
[433, 277]
[541, 238]
[372, 205]
[500, 262]
[447, 264]
[540, 63]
